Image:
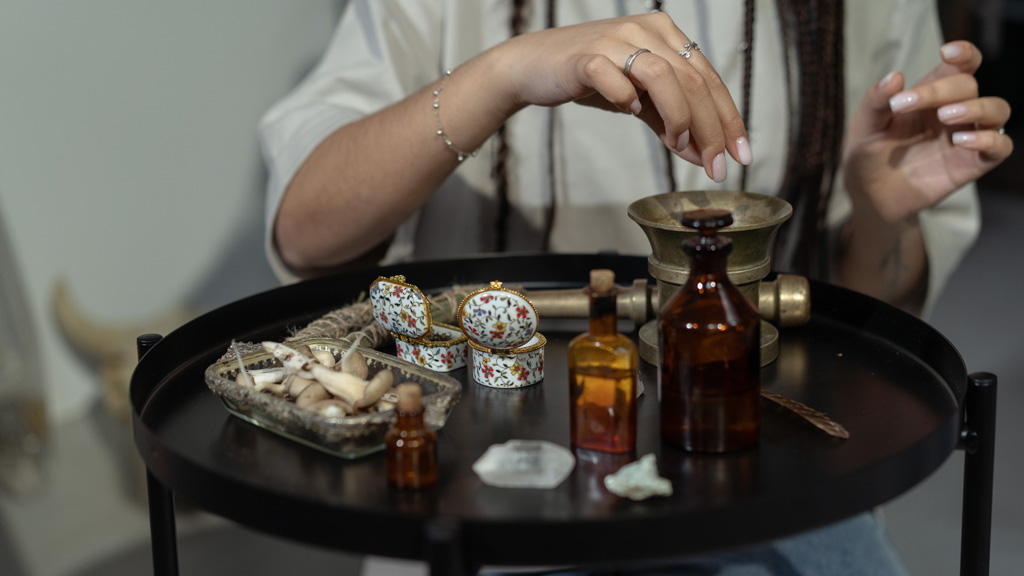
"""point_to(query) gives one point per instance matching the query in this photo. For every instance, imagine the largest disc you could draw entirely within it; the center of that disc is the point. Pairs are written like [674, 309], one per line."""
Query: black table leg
[978, 439]
[444, 548]
[162, 532]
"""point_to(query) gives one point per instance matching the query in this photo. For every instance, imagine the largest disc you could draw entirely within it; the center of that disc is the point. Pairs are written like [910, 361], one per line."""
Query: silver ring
[629, 61]
[685, 52]
[1001, 131]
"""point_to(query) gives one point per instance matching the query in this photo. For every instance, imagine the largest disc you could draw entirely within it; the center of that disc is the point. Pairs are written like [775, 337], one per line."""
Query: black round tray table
[897, 385]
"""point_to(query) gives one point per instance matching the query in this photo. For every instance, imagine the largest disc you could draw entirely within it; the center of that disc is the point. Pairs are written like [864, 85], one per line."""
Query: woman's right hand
[348, 196]
[682, 99]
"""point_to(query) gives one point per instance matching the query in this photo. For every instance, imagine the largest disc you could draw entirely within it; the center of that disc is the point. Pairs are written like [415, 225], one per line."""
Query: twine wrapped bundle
[355, 322]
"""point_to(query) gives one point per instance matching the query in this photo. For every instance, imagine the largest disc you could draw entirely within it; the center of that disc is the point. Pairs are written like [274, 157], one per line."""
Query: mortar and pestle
[756, 220]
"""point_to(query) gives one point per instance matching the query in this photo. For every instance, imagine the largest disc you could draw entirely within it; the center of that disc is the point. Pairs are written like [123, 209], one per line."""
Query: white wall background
[129, 163]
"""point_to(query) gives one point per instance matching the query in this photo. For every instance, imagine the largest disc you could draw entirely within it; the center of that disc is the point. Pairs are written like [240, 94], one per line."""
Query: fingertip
[716, 169]
[683, 141]
[880, 96]
[964, 138]
[951, 51]
[885, 81]
[904, 101]
[744, 155]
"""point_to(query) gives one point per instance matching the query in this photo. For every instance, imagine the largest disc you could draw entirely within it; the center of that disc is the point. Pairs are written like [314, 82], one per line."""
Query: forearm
[369, 176]
[366, 178]
[886, 261]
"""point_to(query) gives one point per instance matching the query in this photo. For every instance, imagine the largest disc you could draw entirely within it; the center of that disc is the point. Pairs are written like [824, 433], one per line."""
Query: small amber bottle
[602, 376]
[411, 446]
[709, 349]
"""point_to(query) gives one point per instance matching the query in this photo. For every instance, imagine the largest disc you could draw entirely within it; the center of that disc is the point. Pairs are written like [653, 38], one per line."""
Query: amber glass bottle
[709, 349]
[411, 446]
[602, 376]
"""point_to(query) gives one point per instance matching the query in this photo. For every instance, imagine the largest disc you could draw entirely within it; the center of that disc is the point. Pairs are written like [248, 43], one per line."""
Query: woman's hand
[682, 99]
[907, 150]
[348, 197]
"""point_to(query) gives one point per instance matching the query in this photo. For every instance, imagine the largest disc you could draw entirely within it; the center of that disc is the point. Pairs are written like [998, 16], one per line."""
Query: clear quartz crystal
[524, 464]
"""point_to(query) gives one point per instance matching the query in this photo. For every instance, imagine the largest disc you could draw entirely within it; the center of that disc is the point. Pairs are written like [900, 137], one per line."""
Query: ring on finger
[685, 52]
[629, 61]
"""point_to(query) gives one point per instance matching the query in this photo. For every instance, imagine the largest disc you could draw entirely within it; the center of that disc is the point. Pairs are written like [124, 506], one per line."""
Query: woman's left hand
[907, 150]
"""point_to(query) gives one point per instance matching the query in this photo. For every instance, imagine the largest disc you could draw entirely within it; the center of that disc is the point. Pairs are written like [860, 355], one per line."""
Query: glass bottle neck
[709, 255]
[603, 321]
[409, 419]
[703, 264]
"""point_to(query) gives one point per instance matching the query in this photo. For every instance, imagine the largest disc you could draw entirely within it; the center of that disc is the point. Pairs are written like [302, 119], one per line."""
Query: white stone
[638, 480]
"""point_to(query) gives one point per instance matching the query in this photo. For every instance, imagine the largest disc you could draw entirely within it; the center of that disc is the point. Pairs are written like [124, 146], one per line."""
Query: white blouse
[384, 51]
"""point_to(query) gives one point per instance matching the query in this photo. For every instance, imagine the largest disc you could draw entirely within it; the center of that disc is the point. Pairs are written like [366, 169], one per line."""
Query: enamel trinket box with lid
[501, 325]
[404, 311]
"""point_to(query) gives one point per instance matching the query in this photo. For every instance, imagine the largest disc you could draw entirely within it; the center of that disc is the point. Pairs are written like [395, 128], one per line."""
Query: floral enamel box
[501, 324]
[405, 312]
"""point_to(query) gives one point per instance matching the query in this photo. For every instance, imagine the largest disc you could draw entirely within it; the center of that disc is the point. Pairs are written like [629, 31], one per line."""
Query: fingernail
[952, 111]
[743, 148]
[634, 107]
[903, 101]
[718, 168]
[887, 79]
[964, 137]
[951, 51]
[683, 141]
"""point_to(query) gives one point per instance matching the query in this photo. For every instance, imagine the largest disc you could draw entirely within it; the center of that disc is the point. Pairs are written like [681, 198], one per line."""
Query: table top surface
[889, 378]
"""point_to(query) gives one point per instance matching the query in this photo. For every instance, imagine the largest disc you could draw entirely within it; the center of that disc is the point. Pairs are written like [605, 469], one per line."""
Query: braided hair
[812, 32]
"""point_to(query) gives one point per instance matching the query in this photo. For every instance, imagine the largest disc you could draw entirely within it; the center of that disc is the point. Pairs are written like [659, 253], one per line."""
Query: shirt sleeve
[882, 36]
[381, 51]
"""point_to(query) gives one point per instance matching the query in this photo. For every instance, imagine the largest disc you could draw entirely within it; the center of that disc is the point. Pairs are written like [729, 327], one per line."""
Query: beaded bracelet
[437, 115]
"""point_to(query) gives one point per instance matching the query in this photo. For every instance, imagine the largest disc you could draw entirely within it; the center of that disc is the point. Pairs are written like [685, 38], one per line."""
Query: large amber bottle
[709, 349]
[602, 376]
[411, 446]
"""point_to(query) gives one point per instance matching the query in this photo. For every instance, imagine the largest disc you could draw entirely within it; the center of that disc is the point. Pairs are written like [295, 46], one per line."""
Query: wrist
[469, 104]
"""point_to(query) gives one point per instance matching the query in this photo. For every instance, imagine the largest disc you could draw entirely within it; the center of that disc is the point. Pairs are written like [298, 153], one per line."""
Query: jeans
[855, 547]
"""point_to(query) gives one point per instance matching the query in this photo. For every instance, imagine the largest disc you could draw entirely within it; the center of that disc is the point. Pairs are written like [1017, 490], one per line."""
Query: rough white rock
[638, 480]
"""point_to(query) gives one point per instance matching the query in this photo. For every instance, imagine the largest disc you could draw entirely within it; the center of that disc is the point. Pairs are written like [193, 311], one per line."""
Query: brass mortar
[756, 220]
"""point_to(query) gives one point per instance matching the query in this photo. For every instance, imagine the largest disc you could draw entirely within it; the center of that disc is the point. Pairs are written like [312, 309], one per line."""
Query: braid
[549, 217]
[499, 170]
[813, 30]
[748, 64]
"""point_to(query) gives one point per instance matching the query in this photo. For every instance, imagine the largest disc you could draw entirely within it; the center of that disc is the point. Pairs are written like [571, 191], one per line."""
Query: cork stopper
[602, 281]
[410, 397]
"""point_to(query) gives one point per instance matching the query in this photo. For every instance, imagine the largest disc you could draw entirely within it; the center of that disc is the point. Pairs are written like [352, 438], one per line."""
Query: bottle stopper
[410, 397]
[707, 221]
[602, 281]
